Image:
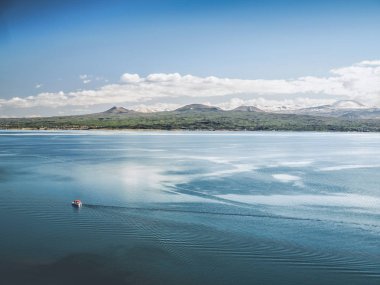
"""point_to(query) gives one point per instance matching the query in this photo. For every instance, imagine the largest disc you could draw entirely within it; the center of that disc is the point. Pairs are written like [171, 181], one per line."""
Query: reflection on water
[189, 208]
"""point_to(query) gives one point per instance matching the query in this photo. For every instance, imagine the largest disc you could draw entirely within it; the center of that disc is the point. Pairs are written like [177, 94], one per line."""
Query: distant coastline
[195, 117]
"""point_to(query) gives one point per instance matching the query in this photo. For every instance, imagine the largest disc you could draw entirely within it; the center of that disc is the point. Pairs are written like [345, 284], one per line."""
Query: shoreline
[187, 130]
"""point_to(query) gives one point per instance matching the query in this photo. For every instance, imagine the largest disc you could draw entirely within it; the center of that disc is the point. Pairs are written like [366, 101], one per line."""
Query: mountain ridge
[118, 110]
[197, 108]
[349, 109]
[244, 108]
[197, 117]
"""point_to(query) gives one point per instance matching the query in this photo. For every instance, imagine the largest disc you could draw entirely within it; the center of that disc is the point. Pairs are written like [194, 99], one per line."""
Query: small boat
[77, 203]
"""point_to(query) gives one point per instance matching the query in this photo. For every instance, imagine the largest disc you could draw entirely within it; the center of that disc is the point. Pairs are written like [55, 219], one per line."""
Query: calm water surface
[189, 208]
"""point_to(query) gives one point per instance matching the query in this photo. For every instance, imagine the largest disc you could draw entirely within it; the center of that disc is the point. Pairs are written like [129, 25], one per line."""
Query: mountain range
[349, 109]
[341, 116]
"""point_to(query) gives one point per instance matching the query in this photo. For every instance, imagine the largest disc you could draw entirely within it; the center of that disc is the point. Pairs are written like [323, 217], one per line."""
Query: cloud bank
[360, 81]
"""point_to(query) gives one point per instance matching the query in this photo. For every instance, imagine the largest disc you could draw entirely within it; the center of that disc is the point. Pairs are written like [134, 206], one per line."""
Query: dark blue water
[189, 208]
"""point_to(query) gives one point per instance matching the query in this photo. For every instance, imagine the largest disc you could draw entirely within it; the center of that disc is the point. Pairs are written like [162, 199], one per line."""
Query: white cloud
[164, 77]
[85, 78]
[360, 82]
[130, 78]
[370, 62]
[157, 107]
[38, 86]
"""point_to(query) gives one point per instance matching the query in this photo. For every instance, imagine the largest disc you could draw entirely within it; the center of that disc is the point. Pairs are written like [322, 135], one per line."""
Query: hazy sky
[61, 57]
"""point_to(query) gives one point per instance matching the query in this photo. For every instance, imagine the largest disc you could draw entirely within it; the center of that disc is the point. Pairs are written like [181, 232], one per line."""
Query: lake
[189, 207]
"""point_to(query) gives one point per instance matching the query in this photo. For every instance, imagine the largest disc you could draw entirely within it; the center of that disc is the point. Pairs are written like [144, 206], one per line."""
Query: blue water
[189, 208]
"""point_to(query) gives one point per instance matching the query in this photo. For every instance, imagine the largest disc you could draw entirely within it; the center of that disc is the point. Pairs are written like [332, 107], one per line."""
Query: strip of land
[195, 117]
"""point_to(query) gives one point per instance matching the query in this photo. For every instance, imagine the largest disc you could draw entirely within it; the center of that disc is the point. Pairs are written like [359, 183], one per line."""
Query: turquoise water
[189, 208]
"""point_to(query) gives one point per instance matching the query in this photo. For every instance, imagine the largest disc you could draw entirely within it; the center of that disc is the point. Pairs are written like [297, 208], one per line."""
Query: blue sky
[53, 46]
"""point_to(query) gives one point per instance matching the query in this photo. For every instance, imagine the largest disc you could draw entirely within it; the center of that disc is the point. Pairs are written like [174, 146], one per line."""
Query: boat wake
[218, 213]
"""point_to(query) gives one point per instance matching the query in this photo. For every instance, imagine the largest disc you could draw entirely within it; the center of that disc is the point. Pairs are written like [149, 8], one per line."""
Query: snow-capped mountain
[350, 109]
[348, 104]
